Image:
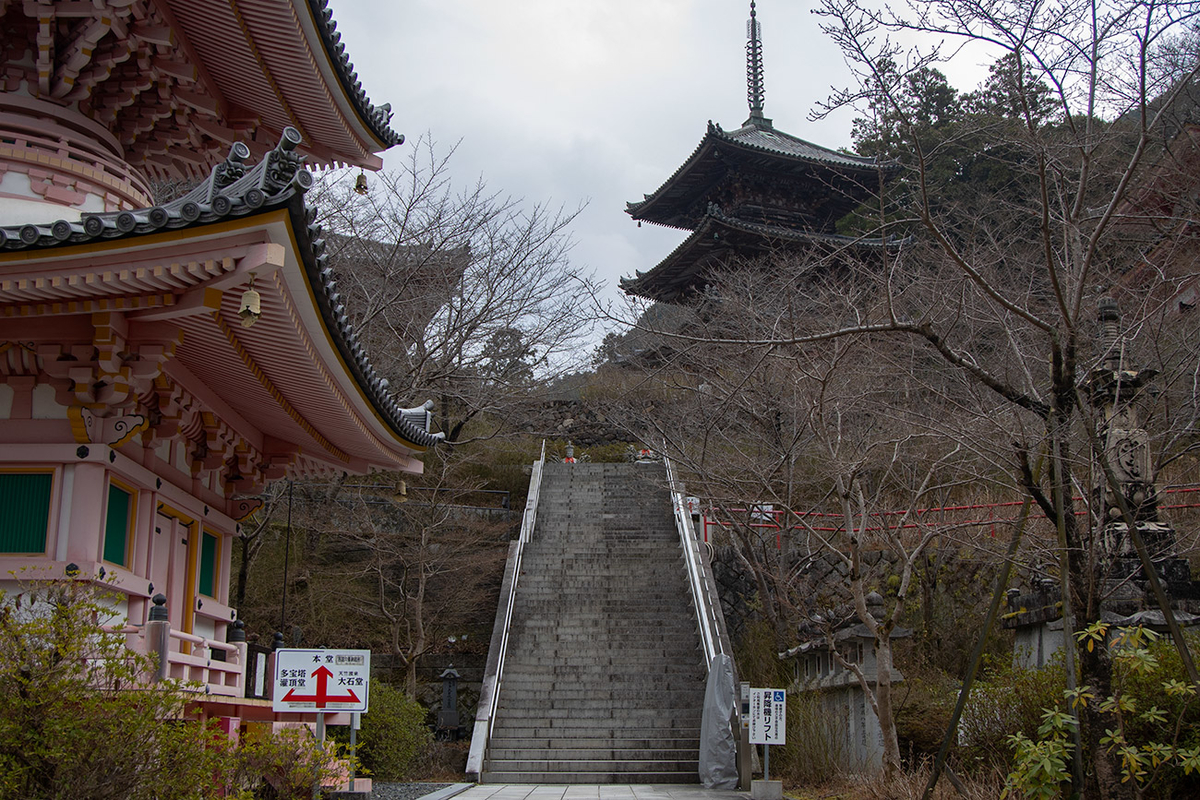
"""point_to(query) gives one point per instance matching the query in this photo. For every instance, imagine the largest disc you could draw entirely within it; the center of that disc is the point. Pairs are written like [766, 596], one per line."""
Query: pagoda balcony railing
[210, 667]
[24, 150]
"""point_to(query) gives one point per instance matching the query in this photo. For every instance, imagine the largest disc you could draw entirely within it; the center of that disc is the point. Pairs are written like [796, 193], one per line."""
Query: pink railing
[227, 677]
[201, 666]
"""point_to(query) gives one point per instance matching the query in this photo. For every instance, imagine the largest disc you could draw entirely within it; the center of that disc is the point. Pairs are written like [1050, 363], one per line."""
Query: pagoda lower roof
[718, 239]
[297, 380]
[757, 146]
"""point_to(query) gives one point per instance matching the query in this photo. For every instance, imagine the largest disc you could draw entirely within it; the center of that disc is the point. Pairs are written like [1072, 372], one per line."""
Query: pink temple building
[159, 364]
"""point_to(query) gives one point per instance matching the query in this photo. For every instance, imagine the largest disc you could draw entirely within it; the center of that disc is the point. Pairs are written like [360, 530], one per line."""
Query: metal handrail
[713, 633]
[485, 717]
[704, 591]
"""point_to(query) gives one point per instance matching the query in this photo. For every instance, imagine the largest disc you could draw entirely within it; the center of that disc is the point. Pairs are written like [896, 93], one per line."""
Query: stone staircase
[604, 677]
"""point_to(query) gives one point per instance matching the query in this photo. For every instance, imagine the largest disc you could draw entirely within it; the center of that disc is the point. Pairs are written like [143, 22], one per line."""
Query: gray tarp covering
[718, 748]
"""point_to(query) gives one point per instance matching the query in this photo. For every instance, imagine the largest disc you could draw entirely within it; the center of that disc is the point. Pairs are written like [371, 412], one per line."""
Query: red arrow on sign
[322, 696]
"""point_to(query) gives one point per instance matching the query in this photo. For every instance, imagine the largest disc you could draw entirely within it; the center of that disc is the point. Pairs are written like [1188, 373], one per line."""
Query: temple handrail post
[158, 637]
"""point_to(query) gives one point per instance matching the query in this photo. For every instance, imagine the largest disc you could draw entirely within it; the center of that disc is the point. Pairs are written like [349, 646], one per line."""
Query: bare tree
[1023, 207]
[462, 295]
[812, 447]
[426, 568]
[396, 566]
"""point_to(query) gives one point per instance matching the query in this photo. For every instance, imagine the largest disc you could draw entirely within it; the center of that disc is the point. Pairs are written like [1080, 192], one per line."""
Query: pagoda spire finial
[754, 71]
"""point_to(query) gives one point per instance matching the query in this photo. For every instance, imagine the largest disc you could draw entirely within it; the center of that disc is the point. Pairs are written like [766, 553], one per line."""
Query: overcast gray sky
[594, 101]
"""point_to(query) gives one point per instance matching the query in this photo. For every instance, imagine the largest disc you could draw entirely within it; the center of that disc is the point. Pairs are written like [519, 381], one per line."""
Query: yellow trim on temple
[277, 395]
[136, 303]
[147, 242]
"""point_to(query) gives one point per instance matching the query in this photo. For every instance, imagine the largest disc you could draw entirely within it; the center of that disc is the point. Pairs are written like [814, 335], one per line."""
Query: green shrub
[1159, 713]
[816, 739]
[79, 722]
[393, 735]
[284, 765]
[70, 727]
[922, 705]
[1012, 701]
[757, 657]
[1157, 719]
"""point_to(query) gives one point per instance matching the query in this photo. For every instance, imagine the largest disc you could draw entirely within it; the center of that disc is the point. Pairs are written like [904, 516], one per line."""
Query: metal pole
[745, 749]
[766, 762]
[354, 722]
[287, 553]
[320, 746]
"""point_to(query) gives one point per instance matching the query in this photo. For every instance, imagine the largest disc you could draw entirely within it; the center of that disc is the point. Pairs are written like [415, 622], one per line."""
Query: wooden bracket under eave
[198, 301]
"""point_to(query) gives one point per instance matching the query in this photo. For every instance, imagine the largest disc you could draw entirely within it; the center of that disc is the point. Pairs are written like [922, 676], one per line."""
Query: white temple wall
[45, 404]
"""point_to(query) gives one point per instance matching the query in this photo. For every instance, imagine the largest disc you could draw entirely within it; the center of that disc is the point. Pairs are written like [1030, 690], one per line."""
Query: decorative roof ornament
[754, 71]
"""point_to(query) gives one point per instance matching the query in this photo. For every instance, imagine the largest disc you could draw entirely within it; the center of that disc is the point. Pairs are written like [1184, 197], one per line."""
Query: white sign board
[768, 716]
[321, 680]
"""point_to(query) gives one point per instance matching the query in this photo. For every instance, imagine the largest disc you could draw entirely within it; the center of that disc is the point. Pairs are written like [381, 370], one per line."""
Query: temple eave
[719, 237]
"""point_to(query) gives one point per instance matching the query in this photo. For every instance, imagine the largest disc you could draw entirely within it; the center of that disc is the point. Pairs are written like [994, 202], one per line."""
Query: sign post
[768, 726]
[321, 681]
[355, 723]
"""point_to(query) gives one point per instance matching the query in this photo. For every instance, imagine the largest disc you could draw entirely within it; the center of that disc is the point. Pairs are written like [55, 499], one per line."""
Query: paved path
[514, 791]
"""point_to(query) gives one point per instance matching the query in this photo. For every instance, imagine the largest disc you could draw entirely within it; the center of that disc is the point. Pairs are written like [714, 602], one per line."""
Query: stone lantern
[447, 722]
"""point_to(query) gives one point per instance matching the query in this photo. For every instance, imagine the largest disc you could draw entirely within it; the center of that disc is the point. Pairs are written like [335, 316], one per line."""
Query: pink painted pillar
[143, 545]
[231, 727]
[87, 513]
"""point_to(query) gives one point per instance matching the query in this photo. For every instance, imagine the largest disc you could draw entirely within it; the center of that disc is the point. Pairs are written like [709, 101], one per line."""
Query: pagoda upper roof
[171, 84]
[757, 145]
[718, 237]
[297, 380]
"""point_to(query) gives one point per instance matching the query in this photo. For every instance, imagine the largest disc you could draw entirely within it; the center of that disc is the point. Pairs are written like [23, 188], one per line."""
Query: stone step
[636, 687]
[564, 731]
[663, 586]
[686, 748]
[609, 694]
[633, 711]
[611, 650]
[607, 569]
[540, 687]
[609, 699]
[492, 775]
[600, 662]
[645, 670]
[650, 762]
[630, 721]
[605, 753]
[604, 678]
[541, 641]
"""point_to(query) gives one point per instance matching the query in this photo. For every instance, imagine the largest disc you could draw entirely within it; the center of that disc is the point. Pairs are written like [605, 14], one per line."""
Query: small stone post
[448, 715]
[237, 637]
[158, 635]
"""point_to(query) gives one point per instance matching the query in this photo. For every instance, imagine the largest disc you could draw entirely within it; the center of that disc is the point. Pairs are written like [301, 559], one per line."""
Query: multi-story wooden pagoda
[160, 363]
[751, 191]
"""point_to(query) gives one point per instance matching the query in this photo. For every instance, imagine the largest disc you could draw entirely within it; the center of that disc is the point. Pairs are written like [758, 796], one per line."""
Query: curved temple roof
[166, 86]
[379, 118]
[720, 235]
[283, 62]
[758, 146]
[234, 197]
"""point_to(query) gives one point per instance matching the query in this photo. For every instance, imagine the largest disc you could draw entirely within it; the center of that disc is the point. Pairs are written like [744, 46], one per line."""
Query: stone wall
[948, 596]
[572, 420]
